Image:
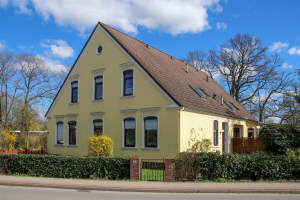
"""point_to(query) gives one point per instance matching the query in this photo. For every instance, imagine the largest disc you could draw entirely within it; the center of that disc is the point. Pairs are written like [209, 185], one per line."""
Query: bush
[214, 166]
[65, 166]
[100, 146]
[278, 138]
[203, 145]
[7, 140]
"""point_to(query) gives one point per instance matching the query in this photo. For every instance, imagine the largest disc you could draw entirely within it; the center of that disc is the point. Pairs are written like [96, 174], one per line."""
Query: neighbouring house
[151, 104]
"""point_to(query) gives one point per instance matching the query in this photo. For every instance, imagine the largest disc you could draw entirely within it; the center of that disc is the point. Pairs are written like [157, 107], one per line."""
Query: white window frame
[143, 132]
[58, 121]
[97, 49]
[101, 118]
[123, 132]
[96, 75]
[71, 91]
[76, 133]
[122, 81]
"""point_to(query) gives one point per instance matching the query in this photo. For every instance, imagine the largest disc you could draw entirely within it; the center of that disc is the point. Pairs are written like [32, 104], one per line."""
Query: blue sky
[56, 30]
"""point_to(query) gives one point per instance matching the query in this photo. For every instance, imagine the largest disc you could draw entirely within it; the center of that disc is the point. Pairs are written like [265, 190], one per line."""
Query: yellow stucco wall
[112, 108]
[196, 125]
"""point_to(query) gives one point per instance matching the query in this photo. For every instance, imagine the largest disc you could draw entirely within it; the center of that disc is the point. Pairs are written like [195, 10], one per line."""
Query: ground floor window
[98, 127]
[60, 132]
[250, 132]
[151, 132]
[129, 132]
[72, 133]
[216, 131]
[236, 132]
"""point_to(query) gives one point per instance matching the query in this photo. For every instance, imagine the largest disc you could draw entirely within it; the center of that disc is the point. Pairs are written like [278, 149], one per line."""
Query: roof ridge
[143, 42]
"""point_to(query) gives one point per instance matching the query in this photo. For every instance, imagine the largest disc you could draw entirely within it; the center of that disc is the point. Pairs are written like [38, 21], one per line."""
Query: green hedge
[65, 166]
[214, 166]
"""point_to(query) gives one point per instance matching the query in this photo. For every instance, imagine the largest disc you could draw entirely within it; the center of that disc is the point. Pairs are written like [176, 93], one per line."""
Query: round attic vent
[99, 49]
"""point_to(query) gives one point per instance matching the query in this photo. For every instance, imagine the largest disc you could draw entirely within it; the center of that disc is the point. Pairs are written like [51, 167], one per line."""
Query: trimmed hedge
[65, 166]
[214, 166]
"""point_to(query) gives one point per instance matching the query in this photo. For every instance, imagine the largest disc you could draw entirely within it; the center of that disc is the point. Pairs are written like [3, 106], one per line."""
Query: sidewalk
[136, 186]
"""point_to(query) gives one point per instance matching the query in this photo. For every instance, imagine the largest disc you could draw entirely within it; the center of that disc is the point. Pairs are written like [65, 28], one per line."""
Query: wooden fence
[247, 145]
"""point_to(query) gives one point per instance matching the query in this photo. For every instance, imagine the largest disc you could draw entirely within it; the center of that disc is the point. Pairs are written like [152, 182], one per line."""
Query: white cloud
[3, 3]
[285, 65]
[294, 51]
[53, 66]
[221, 26]
[278, 46]
[175, 17]
[58, 48]
[1, 46]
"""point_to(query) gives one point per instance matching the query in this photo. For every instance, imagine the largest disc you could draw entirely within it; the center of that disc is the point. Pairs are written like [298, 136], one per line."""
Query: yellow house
[151, 104]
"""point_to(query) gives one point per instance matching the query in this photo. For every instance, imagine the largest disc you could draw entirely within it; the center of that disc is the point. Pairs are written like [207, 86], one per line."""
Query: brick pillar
[135, 169]
[169, 169]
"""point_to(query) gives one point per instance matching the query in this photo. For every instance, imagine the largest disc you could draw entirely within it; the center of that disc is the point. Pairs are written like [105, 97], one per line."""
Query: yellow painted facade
[175, 124]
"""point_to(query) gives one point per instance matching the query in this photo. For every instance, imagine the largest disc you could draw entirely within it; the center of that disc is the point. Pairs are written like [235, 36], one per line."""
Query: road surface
[30, 193]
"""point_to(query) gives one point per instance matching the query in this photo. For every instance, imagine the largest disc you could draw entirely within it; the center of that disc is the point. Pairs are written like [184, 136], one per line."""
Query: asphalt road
[30, 193]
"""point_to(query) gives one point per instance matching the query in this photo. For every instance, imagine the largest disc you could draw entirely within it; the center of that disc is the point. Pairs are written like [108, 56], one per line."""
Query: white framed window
[98, 87]
[98, 127]
[127, 82]
[99, 49]
[74, 91]
[59, 135]
[151, 132]
[129, 133]
[72, 133]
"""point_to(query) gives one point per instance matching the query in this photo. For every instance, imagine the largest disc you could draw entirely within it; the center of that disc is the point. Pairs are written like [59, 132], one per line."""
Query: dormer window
[74, 92]
[128, 82]
[99, 49]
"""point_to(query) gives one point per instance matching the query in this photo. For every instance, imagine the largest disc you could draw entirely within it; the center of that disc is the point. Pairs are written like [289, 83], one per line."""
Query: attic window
[198, 91]
[228, 105]
[99, 49]
[205, 92]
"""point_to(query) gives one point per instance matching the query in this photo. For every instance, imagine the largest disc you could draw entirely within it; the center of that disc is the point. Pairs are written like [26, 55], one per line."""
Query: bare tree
[9, 86]
[36, 84]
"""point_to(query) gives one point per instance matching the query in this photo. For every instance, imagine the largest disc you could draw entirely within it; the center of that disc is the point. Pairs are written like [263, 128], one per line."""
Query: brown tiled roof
[170, 73]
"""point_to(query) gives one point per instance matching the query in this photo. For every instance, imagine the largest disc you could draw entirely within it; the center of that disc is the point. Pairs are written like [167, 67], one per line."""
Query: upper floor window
[98, 127]
[72, 133]
[128, 82]
[129, 132]
[250, 132]
[74, 91]
[151, 132]
[60, 132]
[99, 49]
[216, 131]
[98, 93]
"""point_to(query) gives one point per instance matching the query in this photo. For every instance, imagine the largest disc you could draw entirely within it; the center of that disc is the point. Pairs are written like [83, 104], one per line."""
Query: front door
[225, 137]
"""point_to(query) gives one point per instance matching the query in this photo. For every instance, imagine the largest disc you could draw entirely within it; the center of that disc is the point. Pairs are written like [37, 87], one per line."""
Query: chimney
[186, 68]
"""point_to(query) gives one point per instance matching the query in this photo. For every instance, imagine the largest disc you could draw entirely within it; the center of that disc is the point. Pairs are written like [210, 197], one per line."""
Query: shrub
[7, 140]
[214, 166]
[278, 138]
[203, 145]
[100, 146]
[65, 166]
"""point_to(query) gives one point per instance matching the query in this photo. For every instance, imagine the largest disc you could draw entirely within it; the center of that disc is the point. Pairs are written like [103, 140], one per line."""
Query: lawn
[153, 175]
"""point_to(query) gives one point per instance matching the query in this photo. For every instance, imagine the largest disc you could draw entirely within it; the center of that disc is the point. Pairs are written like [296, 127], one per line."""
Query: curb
[152, 190]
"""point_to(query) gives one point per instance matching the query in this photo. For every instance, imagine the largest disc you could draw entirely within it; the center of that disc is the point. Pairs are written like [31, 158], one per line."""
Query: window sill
[73, 146]
[127, 97]
[97, 100]
[129, 148]
[150, 148]
[73, 103]
[59, 145]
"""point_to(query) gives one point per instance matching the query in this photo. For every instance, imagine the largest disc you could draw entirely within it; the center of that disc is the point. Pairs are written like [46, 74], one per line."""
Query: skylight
[228, 105]
[205, 92]
[234, 106]
[198, 91]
